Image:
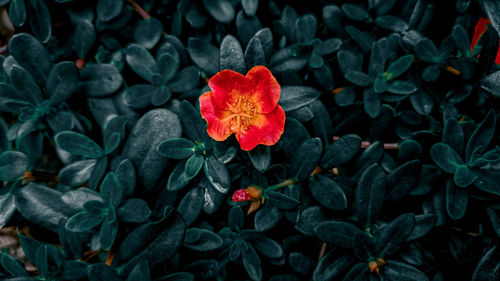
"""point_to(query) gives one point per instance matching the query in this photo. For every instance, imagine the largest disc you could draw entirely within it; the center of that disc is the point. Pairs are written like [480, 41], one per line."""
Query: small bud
[241, 195]
[254, 192]
[381, 262]
[373, 266]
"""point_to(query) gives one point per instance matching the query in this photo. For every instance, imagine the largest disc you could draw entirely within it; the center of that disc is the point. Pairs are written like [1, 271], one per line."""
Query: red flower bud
[241, 195]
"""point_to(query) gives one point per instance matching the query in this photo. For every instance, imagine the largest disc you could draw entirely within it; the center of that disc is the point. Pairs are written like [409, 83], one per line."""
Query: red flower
[244, 105]
[251, 193]
[479, 30]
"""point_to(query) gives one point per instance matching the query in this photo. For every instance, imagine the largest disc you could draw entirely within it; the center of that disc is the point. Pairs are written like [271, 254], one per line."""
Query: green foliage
[388, 167]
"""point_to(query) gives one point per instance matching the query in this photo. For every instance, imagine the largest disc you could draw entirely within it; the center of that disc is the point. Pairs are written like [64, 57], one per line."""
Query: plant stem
[365, 144]
[139, 9]
[282, 184]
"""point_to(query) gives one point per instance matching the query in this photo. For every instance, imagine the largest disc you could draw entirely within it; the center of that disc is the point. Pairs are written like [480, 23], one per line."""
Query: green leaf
[488, 265]
[358, 78]
[41, 260]
[456, 200]
[221, 10]
[281, 200]
[372, 103]
[306, 27]
[355, 12]
[78, 144]
[133, 210]
[260, 157]
[154, 242]
[112, 189]
[341, 151]
[363, 39]
[32, 198]
[148, 32]
[391, 23]
[202, 240]
[141, 61]
[309, 219]
[423, 224]
[236, 218]
[108, 9]
[102, 272]
[294, 97]
[427, 51]
[83, 221]
[185, 80]
[328, 193]
[395, 270]
[250, 7]
[306, 159]
[77, 173]
[12, 266]
[400, 87]
[398, 67]
[445, 157]
[331, 265]
[463, 176]
[204, 55]
[453, 135]
[369, 194]
[194, 165]
[7, 204]
[107, 234]
[338, 233]
[140, 272]
[17, 12]
[217, 174]
[12, 165]
[84, 38]
[268, 247]
[168, 65]
[267, 217]
[231, 55]
[40, 22]
[394, 234]
[191, 205]
[151, 129]
[177, 148]
[99, 80]
[31, 55]
[482, 135]
[62, 82]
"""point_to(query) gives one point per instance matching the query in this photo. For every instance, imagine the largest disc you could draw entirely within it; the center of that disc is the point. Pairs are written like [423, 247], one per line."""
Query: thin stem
[139, 9]
[365, 144]
[282, 184]
[452, 70]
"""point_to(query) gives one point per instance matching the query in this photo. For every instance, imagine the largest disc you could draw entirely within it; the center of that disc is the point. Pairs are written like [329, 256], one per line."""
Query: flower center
[242, 112]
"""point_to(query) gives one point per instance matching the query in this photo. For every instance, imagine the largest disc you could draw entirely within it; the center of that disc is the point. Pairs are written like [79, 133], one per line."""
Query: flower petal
[265, 89]
[227, 86]
[479, 30]
[266, 129]
[216, 128]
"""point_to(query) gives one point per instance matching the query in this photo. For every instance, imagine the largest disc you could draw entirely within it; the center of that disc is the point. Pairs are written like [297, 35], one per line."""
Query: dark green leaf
[108, 9]
[221, 10]
[152, 128]
[191, 205]
[260, 157]
[99, 80]
[445, 157]
[177, 148]
[398, 67]
[133, 210]
[78, 144]
[456, 200]
[328, 193]
[17, 12]
[141, 61]
[83, 221]
[140, 272]
[482, 135]
[267, 217]
[204, 55]
[12, 266]
[84, 38]
[394, 234]
[369, 194]
[231, 55]
[148, 32]
[184, 80]
[338, 233]
[102, 272]
[12, 165]
[281, 200]
[206, 240]
[331, 266]
[341, 151]
[31, 55]
[236, 218]
[217, 174]
[39, 20]
[395, 270]
[306, 159]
